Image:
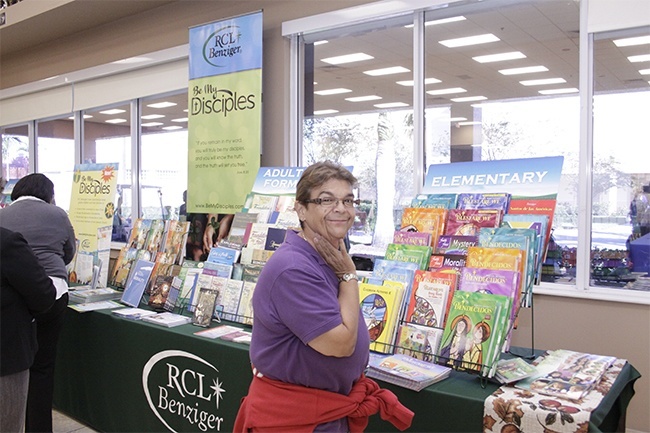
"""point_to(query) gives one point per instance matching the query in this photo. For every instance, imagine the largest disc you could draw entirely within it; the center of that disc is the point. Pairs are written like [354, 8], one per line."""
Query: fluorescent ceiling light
[513, 55]
[639, 58]
[116, 121]
[321, 112]
[446, 91]
[628, 42]
[162, 104]
[49, 78]
[152, 116]
[131, 60]
[468, 123]
[644, 72]
[180, 119]
[469, 40]
[363, 98]
[469, 99]
[332, 91]
[172, 128]
[348, 58]
[86, 116]
[441, 21]
[524, 70]
[387, 71]
[457, 119]
[426, 81]
[391, 105]
[321, 42]
[543, 81]
[149, 124]
[558, 91]
[113, 111]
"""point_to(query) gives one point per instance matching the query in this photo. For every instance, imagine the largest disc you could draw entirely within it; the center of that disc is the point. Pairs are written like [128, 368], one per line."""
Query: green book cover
[419, 254]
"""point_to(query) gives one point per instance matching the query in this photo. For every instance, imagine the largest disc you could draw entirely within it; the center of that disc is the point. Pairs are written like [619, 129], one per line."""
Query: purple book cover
[468, 222]
[482, 200]
[492, 281]
[412, 238]
[452, 244]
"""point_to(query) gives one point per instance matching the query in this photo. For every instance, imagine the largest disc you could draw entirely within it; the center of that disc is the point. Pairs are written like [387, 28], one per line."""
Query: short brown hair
[317, 174]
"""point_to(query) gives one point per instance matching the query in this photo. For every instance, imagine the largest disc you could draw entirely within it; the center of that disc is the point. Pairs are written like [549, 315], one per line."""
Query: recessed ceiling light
[447, 91]
[152, 116]
[113, 111]
[628, 42]
[525, 70]
[513, 55]
[332, 91]
[469, 99]
[469, 40]
[391, 105]
[639, 58]
[468, 123]
[162, 104]
[347, 58]
[644, 72]
[321, 112]
[116, 121]
[441, 21]
[426, 81]
[171, 128]
[558, 91]
[150, 124]
[457, 119]
[387, 71]
[180, 119]
[543, 81]
[321, 42]
[363, 98]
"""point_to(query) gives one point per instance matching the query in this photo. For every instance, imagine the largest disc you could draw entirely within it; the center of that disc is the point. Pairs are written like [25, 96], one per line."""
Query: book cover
[379, 306]
[123, 267]
[394, 270]
[412, 238]
[86, 296]
[133, 313]
[251, 273]
[217, 331]
[139, 233]
[539, 223]
[166, 319]
[160, 291]
[285, 203]
[228, 299]
[223, 255]
[239, 225]
[425, 220]
[245, 308]
[471, 329]
[93, 306]
[512, 259]
[137, 283]
[409, 253]
[204, 309]
[154, 237]
[263, 205]
[163, 265]
[484, 200]
[257, 236]
[535, 207]
[217, 269]
[513, 370]
[189, 274]
[442, 201]
[468, 222]
[417, 341]
[175, 239]
[274, 238]
[430, 297]
[447, 262]
[455, 244]
[406, 371]
[287, 219]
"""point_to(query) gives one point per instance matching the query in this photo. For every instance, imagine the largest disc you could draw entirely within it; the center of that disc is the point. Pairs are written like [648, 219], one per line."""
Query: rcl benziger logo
[186, 396]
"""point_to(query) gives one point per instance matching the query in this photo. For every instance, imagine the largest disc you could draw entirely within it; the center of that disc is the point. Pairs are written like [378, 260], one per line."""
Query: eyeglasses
[333, 202]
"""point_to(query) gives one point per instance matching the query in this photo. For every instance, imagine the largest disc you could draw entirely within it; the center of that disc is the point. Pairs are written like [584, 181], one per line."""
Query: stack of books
[405, 371]
[86, 296]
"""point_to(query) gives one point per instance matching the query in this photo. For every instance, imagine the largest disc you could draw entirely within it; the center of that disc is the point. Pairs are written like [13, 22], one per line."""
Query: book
[163, 265]
[512, 259]
[411, 238]
[173, 296]
[417, 341]
[257, 236]
[204, 310]
[166, 319]
[532, 206]
[137, 283]
[217, 331]
[409, 253]
[228, 299]
[379, 306]
[86, 296]
[443, 201]
[539, 223]
[513, 369]
[139, 234]
[223, 255]
[484, 200]
[175, 240]
[189, 274]
[245, 308]
[160, 291]
[455, 244]
[238, 336]
[133, 313]
[95, 305]
[274, 238]
[406, 371]
[238, 227]
[452, 263]
[468, 222]
[154, 239]
[424, 220]
[217, 269]
[394, 270]
[262, 205]
[429, 298]
[472, 330]
[122, 268]
[286, 219]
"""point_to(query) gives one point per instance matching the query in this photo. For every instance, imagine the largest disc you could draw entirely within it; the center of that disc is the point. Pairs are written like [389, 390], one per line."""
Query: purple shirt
[295, 301]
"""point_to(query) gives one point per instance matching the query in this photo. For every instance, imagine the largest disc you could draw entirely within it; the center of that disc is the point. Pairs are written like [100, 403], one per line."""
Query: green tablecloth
[118, 375]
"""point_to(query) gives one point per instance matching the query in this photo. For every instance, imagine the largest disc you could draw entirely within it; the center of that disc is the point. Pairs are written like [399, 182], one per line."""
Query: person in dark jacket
[25, 290]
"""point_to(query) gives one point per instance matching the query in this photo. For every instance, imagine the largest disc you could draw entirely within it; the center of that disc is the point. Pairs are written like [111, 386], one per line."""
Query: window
[55, 156]
[621, 172]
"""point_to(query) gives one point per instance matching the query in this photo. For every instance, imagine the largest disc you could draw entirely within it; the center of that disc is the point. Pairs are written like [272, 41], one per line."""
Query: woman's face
[332, 223]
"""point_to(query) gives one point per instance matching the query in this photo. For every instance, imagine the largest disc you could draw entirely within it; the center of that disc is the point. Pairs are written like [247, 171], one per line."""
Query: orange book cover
[511, 259]
[430, 298]
[426, 220]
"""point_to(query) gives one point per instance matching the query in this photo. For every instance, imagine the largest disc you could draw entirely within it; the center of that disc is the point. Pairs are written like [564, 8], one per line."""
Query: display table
[118, 375]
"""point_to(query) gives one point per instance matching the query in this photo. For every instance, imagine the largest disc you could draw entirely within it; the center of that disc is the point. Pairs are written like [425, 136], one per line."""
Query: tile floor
[61, 423]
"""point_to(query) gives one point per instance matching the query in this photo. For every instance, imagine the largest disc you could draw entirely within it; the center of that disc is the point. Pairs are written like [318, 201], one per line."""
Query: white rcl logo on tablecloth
[189, 393]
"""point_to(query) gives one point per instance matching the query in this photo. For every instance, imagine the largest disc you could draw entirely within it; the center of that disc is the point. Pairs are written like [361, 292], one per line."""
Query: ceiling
[545, 31]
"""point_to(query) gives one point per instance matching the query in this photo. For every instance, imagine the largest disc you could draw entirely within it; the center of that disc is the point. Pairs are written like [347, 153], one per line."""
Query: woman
[309, 340]
[49, 233]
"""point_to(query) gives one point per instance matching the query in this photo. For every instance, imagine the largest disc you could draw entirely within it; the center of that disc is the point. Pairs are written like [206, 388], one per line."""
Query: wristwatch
[348, 277]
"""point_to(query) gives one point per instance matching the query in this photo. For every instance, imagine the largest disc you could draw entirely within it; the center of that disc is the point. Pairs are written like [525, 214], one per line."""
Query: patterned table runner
[513, 410]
